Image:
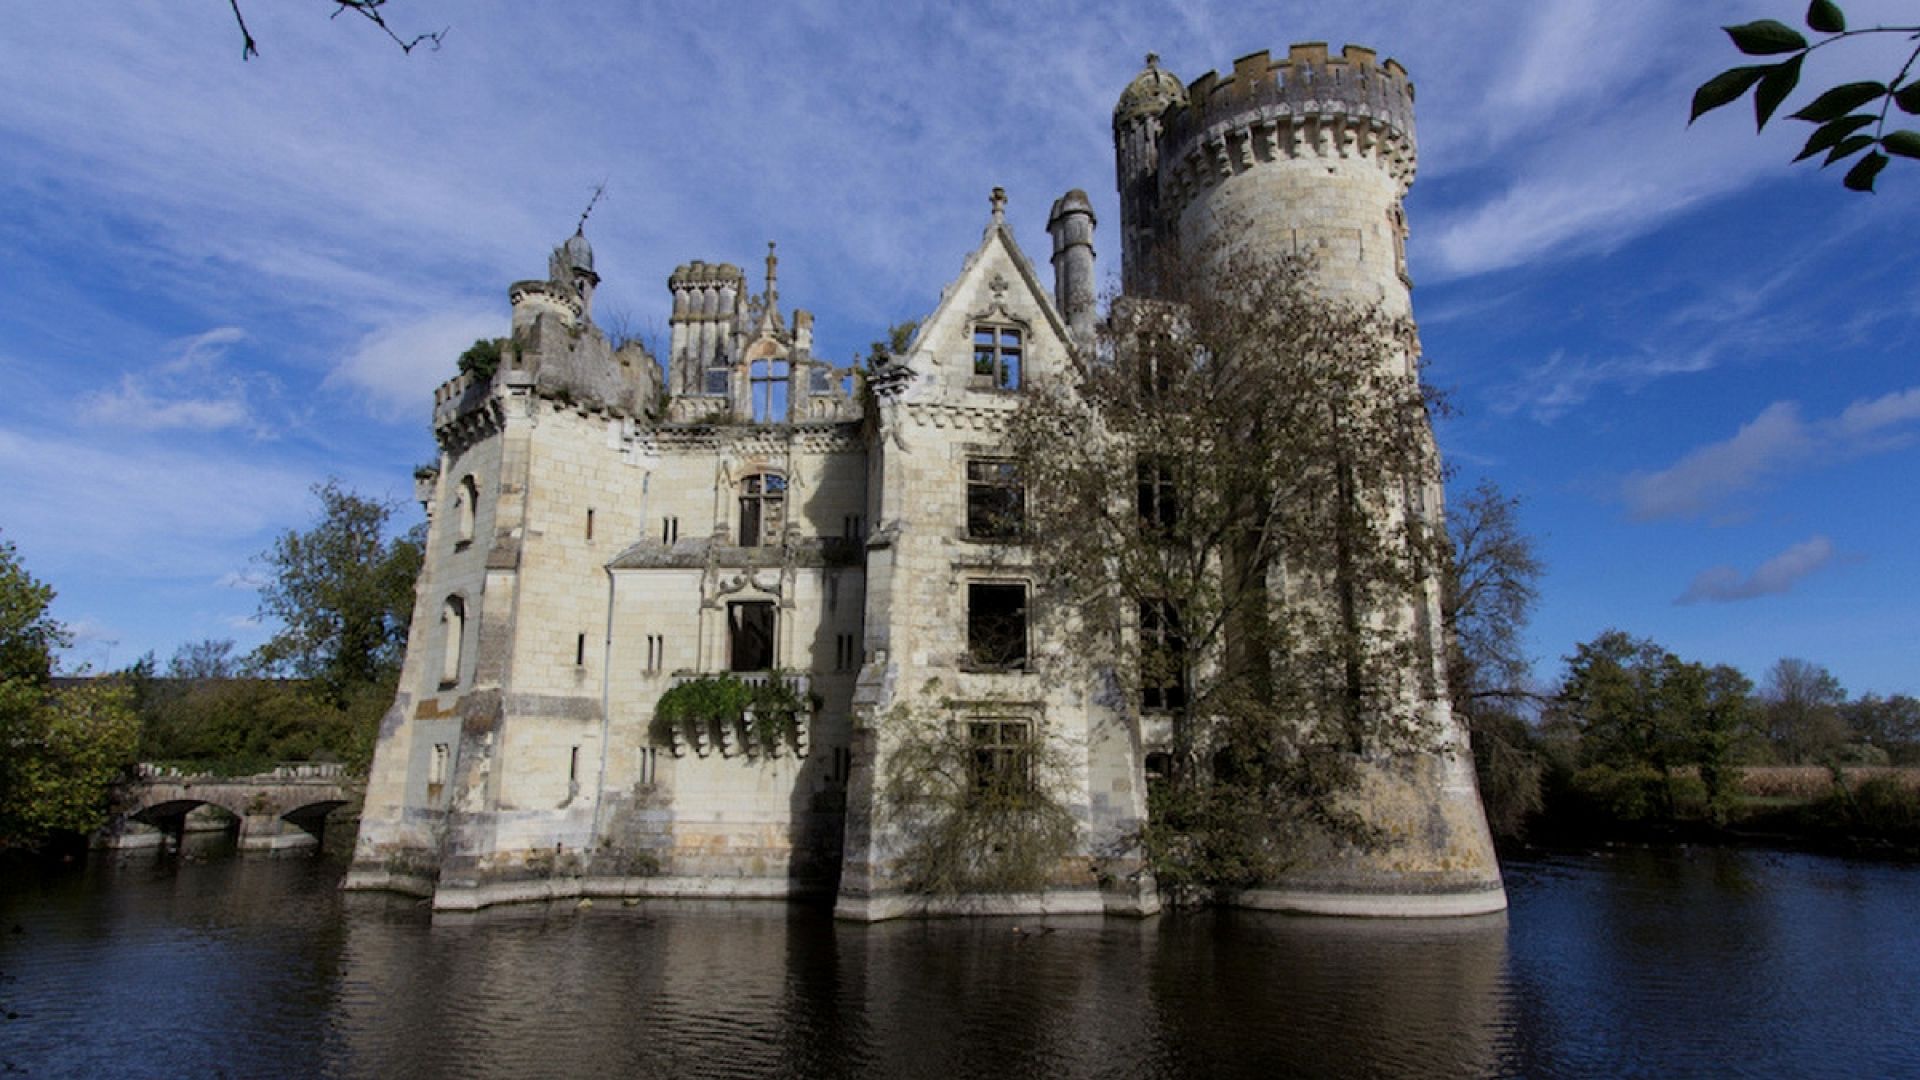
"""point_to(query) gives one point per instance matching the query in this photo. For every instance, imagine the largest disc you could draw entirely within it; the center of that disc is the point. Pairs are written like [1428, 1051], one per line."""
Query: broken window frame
[770, 378]
[999, 355]
[1000, 753]
[763, 509]
[747, 641]
[1156, 494]
[1163, 657]
[997, 626]
[996, 500]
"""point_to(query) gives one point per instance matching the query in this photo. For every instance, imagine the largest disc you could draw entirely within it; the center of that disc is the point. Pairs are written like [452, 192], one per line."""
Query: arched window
[453, 636]
[465, 498]
[763, 509]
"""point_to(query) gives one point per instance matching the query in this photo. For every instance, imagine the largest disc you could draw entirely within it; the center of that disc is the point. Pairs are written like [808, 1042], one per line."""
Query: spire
[773, 277]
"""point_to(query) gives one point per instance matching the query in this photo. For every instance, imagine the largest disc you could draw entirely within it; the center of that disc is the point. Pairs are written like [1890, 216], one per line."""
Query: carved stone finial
[1153, 60]
[999, 200]
[773, 273]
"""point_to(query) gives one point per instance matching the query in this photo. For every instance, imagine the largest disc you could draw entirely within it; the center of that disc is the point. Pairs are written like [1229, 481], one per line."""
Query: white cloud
[1725, 584]
[1549, 389]
[187, 392]
[1772, 443]
[396, 367]
[245, 580]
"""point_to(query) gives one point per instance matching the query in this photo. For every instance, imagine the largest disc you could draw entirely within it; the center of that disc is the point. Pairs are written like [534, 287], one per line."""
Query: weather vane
[599, 191]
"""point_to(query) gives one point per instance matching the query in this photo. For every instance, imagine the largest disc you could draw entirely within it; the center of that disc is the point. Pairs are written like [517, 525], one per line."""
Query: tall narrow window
[466, 498]
[1163, 657]
[453, 632]
[763, 505]
[997, 626]
[750, 635]
[769, 382]
[1159, 499]
[580, 651]
[998, 356]
[589, 523]
[1002, 755]
[996, 500]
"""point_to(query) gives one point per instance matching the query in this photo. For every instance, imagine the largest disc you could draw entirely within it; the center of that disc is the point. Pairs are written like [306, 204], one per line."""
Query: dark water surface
[1640, 963]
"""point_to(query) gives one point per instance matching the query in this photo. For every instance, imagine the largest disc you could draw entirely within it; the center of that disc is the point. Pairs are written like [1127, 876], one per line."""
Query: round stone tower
[1311, 156]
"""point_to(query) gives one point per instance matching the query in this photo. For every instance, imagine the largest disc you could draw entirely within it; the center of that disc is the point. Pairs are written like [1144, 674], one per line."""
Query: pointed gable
[995, 327]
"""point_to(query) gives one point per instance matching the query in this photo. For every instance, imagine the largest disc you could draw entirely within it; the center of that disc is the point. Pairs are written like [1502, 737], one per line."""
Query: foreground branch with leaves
[1841, 115]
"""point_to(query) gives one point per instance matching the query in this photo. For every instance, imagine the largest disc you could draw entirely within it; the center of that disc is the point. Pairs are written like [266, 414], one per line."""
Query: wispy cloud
[1778, 575]
[395, 368]
[189, 391]
[1776, 441]
[1548, 390]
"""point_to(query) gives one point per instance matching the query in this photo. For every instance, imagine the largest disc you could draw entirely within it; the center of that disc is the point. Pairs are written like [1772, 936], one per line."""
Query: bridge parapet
[284, 807]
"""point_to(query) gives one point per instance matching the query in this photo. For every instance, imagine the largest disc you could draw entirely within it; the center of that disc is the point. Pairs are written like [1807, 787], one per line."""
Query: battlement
[1308, 102]
[553, 295]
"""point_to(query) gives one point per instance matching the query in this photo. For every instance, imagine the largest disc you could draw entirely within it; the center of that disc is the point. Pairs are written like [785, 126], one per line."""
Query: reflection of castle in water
[687, 987]
[601, 533]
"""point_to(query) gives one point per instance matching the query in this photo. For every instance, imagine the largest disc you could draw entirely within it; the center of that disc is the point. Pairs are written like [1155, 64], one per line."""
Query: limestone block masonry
[606, 525]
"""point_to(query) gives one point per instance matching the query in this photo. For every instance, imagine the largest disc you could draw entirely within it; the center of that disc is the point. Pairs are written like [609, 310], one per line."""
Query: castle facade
[606, 527]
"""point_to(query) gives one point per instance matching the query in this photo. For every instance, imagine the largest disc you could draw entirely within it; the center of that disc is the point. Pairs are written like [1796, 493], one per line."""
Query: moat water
[1681, 962]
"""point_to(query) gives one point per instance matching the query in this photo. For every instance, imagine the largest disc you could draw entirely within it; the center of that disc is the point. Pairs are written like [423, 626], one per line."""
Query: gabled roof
[997, 230]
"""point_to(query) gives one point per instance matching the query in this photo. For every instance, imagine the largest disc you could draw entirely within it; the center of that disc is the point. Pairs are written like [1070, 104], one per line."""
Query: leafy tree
[1848, 118]
[1488, 593]
[1216, 492]
[59, 749]
[210, 658]
[1803, 702]
[1891, 723]
[343, 595]
[1642, 714]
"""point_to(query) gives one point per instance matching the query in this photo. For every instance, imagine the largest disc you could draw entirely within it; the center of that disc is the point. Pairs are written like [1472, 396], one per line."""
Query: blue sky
[227, 281]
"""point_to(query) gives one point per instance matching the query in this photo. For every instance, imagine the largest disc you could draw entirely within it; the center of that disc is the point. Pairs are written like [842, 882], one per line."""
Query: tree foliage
[59, 749]
[1488, 593]
[343, 595]
[1231, 465]
[1803, 711]
[1848, 119]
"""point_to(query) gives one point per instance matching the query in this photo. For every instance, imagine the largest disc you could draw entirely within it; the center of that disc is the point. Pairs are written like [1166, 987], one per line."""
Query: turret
[1136, 149]
[1071, 224]
[708, 302]
[1310, 155]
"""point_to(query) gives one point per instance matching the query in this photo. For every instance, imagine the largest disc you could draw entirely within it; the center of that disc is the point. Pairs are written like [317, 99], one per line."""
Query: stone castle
[605, 527]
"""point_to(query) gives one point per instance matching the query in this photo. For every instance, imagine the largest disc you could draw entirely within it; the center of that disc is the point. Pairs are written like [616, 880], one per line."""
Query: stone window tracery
[999, 356]
[996, 500]
[1000, 755]
[763, 509]
[769, 384]
[1163, 652]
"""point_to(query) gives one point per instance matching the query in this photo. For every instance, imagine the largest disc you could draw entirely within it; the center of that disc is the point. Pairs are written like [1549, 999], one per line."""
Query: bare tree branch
[367, 9]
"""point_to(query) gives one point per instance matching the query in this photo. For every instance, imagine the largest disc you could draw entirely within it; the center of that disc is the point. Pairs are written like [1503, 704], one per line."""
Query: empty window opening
[842, 765]
[996, 500]
[769, 384]
[998, 356]
[649, 765]
[1159, 365]
[820, 379]
[850, 527]
[580, 651]
[1001, 755]
[763, 506]
[1163, 657]
[997, 625]
[1159, 498]
[453, 634]
[437, 766]
[833, 591]
[846, 652]
[717, 380]
[669, 530]
[1159, 767]
[589, 524]
[750, 635]
[573, 765]
[656, 652]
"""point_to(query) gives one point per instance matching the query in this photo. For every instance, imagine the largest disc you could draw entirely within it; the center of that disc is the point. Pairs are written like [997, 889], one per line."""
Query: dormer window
[763, 509]
[769, 385]
[999, 356]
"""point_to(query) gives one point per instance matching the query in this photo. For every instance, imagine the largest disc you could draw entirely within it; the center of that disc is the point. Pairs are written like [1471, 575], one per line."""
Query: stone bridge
[277, 810]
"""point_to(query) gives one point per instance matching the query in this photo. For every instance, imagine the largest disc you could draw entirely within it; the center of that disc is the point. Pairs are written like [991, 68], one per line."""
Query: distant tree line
[342, 595]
